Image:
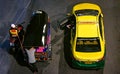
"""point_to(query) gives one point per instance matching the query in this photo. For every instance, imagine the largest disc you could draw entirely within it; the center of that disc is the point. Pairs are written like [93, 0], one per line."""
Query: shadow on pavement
[67, 48]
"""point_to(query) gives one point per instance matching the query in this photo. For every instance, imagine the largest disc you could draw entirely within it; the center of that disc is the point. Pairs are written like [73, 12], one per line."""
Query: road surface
[15, 11]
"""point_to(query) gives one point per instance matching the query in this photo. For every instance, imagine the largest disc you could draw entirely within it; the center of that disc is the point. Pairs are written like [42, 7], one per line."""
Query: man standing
[31, 59]
[13, 37]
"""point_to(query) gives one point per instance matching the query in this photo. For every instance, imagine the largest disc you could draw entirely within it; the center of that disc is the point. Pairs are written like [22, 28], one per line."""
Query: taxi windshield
[86, 12]
[88, 45]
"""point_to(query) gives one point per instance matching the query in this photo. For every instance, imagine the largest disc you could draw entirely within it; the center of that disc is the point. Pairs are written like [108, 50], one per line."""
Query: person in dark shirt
[68, 23]
[21, 32]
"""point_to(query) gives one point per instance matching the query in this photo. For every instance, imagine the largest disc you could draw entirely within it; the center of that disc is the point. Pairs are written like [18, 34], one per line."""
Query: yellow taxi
[87, 36]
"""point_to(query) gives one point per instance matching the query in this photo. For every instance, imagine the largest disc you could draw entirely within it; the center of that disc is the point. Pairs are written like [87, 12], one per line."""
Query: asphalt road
[57, 9]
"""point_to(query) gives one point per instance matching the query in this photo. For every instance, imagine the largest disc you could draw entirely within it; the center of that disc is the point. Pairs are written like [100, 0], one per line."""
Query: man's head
[20, 27]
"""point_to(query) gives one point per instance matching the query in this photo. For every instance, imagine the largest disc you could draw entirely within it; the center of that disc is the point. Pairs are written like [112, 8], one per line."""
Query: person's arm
[23, 36]
[63, 23]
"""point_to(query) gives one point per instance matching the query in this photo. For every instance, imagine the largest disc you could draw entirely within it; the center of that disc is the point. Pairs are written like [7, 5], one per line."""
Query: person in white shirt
[31, 55]
[31, 59]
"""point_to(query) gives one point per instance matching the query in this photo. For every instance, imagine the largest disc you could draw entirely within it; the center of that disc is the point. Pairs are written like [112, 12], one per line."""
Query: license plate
[88, 62]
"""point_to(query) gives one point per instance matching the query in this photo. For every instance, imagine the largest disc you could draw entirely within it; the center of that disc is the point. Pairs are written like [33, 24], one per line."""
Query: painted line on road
[16, 22]
[23, 11]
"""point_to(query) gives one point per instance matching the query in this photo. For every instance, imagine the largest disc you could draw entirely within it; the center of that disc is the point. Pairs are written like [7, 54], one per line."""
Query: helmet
[13, 25]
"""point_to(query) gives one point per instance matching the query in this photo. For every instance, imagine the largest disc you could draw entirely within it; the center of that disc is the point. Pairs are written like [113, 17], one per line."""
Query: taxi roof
[87, 27]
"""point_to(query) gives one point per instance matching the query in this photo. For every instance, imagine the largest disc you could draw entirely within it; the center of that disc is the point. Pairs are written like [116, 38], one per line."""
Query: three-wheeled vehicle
[38, 35]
